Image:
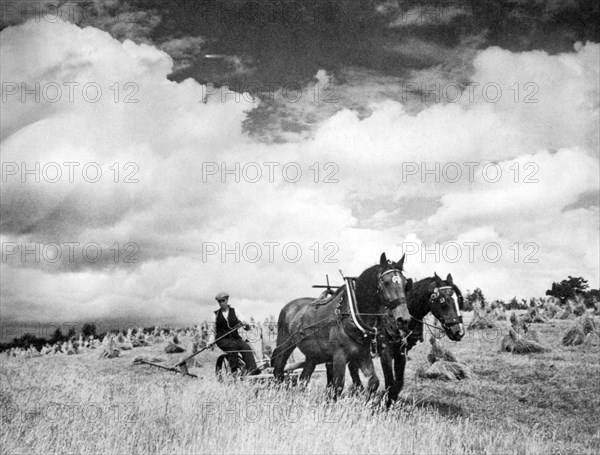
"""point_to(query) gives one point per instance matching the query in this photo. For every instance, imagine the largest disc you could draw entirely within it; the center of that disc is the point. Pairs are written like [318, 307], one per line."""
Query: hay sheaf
[442, 365]
[139, 342]
[592, 339]
[522, 329]
[109, 350]
[533, 315]
[531, 333]
[519, 344]
[574, 336]
[579, 309]
[551, 310]
[109, 354]
[439, 353]
[172, 348]
[501, 316]
[578, 334]
[567, 313]
[480, 322]
[444, 371]
[588, 324]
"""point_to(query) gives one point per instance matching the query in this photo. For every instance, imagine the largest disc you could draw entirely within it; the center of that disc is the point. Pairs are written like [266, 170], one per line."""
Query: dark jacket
[225, 325]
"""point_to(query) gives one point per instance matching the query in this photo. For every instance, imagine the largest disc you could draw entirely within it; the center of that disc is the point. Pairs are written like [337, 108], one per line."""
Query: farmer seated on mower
[226, 318]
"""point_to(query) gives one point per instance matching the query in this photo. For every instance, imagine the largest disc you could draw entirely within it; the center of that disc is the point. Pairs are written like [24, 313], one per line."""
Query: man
[226, 318]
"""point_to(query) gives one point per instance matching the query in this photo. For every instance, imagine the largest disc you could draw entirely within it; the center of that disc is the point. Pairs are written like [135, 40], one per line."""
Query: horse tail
[283, 330]
[284, 345]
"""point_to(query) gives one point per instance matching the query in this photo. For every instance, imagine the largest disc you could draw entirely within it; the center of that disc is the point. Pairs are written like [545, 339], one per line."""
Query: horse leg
[307, 371]
[339, 373]
[279, 360]
[356, 382]
[399, 366]
[329, 369]
[388, 374]
[285, 345]
[368, 369]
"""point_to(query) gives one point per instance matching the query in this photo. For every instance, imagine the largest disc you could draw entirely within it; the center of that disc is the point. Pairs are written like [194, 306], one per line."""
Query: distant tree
[88, 329]
[56, 336]
[472, 297]
[568, 289]
[515, 304]
[24, 341]
[467, 306]
[71, 333]
[27, 340]
[592, 298]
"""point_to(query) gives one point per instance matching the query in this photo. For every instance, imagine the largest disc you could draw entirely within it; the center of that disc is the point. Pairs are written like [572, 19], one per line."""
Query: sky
[154, 154]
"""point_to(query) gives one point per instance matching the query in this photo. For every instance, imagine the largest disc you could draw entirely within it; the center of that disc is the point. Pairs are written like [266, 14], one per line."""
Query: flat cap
[221, 296]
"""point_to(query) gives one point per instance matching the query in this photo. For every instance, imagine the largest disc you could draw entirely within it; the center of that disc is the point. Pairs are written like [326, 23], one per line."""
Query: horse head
[392, 287]
[445, 301]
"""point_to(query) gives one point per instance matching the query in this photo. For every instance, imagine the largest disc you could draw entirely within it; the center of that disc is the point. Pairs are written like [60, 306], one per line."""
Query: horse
[341, 330]
[441, 297]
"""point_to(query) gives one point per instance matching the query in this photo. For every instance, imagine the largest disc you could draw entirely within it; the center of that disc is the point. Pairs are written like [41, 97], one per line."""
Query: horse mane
[366, 287]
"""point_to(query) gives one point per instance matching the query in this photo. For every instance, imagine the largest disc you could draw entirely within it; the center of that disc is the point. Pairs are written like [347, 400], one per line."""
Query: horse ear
[400, 263]
[449, 279]
[383, 260]
[435, 275]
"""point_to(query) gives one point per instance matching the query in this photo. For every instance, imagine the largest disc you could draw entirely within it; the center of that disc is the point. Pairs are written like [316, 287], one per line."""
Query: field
[538, 403]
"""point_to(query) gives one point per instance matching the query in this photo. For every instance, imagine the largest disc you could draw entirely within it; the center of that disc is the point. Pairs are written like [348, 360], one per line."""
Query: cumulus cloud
[187, 223]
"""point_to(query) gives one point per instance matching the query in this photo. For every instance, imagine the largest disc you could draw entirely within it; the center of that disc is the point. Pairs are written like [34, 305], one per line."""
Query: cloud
[196, 233]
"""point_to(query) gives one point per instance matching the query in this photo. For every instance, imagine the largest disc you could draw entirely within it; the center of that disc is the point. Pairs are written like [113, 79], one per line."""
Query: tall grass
[85, 405]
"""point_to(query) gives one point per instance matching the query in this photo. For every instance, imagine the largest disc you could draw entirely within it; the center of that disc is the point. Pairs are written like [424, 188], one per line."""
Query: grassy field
[539, 403]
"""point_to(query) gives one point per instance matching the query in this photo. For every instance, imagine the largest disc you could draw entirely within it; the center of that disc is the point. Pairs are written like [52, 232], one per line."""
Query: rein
[427, 324]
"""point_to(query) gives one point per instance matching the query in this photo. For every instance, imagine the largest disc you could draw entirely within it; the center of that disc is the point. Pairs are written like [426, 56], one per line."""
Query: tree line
[570, 289]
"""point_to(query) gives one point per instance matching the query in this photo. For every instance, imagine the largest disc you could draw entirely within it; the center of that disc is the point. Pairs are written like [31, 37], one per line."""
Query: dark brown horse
[341, 329]
[444, 300]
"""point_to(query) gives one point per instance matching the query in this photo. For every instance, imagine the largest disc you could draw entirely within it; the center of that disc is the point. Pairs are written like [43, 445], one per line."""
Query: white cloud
[171, 213]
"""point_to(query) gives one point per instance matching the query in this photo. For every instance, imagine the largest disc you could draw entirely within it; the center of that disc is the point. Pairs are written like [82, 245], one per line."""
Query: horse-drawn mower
[223, 363]
[223, 366]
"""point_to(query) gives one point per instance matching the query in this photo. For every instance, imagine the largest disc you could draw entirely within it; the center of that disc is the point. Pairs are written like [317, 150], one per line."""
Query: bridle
[397, 279]
[439, 296]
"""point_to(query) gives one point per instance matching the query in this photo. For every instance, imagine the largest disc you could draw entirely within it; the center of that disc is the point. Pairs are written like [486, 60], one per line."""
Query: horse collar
[356, 319]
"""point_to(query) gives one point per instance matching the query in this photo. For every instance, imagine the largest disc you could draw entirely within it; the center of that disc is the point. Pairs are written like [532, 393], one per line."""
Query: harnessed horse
[443, 299]
[342, 329]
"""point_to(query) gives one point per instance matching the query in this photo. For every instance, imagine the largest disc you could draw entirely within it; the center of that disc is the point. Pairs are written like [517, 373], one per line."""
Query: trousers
[232, 346]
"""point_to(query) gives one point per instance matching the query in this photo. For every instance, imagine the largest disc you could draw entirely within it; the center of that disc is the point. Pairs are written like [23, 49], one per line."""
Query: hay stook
[442, 365]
